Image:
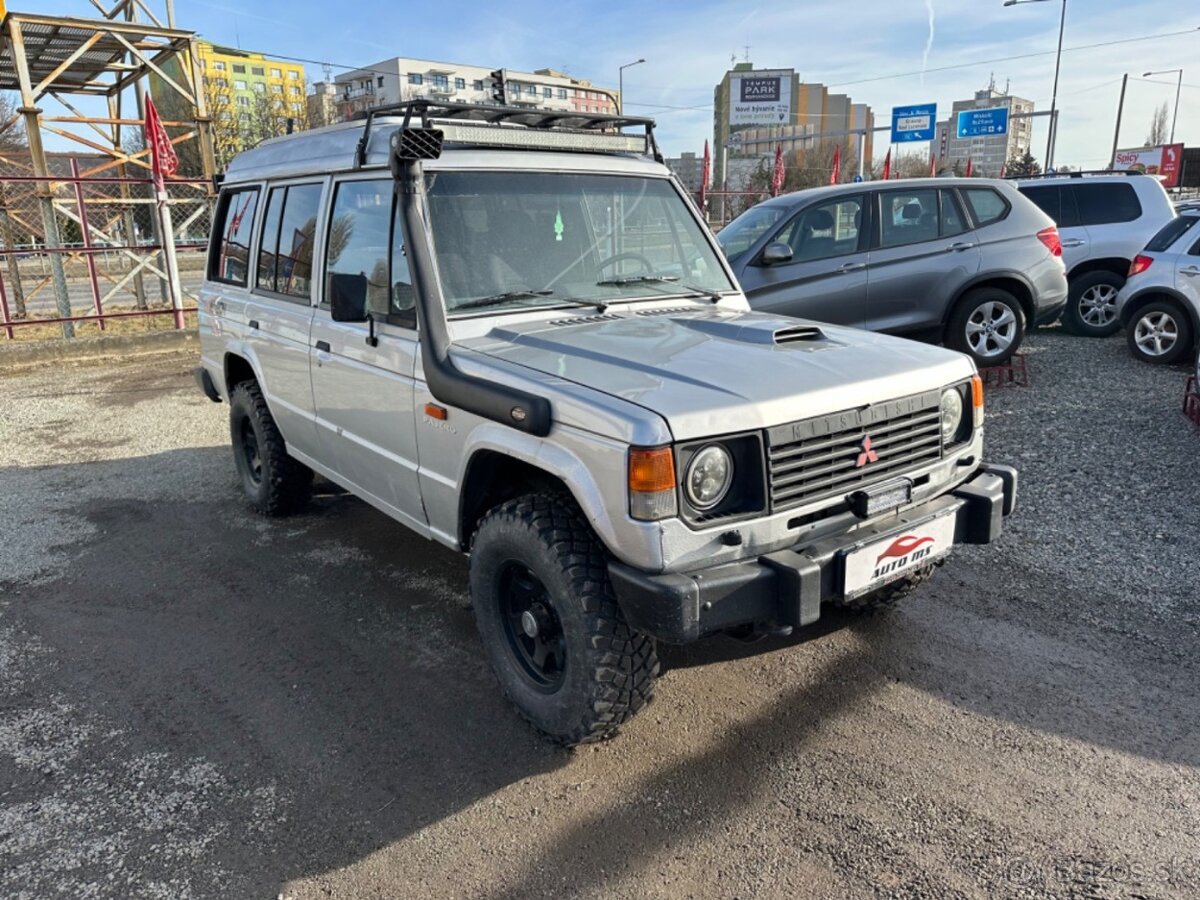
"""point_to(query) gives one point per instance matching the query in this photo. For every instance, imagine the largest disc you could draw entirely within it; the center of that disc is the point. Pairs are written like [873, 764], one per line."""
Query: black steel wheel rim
[250, 451]
[532, 629]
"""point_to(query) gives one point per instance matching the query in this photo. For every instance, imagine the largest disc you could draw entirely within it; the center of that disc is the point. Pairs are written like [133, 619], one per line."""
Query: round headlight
[708, 477]
[952, 413]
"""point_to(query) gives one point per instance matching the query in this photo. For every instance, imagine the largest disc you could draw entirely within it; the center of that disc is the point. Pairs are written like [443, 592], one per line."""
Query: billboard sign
[983, 122]
[760, 98]
[1164, 161]
[913, 123]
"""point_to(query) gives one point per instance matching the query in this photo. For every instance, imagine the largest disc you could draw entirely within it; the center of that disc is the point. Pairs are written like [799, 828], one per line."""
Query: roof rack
[544, 120]
[1075, 174]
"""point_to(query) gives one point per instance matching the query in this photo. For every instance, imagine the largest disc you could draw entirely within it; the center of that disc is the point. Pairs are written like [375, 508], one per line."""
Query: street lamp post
[621, 82]
[1053, 130]
[1178, 85]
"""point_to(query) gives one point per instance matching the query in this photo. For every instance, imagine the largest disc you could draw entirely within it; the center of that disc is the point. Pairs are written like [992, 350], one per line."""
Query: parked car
[1159, 306]
[511, 331]
[1104, 219]
[967, 262]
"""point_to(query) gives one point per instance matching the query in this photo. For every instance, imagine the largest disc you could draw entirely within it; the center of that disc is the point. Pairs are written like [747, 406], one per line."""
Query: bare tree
[1158, 127]
[12, 128]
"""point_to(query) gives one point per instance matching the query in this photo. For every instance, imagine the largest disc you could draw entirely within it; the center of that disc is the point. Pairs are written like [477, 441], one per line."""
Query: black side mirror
[777, 252]
[348, 297]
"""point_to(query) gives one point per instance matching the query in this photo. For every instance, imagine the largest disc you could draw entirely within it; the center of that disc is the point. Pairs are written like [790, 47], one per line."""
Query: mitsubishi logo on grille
[868, 455]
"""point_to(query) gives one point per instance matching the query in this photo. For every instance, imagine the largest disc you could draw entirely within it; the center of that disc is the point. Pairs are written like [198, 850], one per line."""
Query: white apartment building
[402, 78]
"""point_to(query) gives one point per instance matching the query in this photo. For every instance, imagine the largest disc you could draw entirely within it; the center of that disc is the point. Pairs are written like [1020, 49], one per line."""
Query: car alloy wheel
[1156, 333]
[1098, 305]
[991, 329]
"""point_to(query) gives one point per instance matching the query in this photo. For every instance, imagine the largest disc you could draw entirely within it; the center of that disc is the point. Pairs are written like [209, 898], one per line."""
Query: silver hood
[709, 371]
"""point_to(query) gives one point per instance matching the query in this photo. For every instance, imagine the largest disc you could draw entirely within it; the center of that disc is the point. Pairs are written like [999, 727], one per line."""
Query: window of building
[365, 240]
[478, 85]
[239, 85]
[379, 81]
[276, 73]
[293, 75]
[294, 89]
[986, 205]
[547, 92]
[239, 69]
[442, 81]
[230, 254]
[257, 70]
[415, 78]
[286, 245]
[218, 66]
[562, 93]
[225, 116]
[277, 89]
[460, 84]
[824, 231]
[259, 87]
[243, 101]
[221, 82]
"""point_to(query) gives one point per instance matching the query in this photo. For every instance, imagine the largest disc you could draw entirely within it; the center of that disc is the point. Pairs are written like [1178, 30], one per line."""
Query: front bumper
[789, 586]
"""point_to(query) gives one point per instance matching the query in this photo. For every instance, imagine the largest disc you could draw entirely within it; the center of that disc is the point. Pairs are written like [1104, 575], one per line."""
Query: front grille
[815, 459]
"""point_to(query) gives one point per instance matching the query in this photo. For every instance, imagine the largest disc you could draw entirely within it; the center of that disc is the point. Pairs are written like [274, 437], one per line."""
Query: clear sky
[874, 50]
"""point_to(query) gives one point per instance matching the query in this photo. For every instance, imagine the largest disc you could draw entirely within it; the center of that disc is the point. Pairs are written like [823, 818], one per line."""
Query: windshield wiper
[712, 295]
[508, 296]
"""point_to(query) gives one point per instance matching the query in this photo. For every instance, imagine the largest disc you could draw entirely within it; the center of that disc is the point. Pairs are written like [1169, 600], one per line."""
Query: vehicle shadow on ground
[331, 658]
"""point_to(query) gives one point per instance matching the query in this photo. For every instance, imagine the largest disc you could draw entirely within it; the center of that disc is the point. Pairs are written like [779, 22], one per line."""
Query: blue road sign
[913, 123]
[983, 122]
[858, 179]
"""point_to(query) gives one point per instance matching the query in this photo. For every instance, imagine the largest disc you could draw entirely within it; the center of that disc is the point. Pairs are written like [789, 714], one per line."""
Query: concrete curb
[16, 354]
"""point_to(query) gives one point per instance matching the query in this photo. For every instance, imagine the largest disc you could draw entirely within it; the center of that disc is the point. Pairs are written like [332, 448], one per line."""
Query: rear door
[922, 253]
[364, 393]
[1058, 202]
[1107, 208]
[280, 311]
[1187, 263]
[826, 278]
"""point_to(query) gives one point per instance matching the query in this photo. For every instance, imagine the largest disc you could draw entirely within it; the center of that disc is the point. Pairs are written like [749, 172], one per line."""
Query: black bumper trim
[206, 384]
[787, 587]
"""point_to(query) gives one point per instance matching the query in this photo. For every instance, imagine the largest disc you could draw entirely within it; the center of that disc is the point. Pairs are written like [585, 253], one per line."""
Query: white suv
[1104, 220]
[1160, 303]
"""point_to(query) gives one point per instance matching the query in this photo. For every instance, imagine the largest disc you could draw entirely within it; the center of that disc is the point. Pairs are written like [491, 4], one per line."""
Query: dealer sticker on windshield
[875, 564]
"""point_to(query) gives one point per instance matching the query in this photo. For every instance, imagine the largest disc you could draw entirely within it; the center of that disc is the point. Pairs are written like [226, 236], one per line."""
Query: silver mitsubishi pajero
[511, 330]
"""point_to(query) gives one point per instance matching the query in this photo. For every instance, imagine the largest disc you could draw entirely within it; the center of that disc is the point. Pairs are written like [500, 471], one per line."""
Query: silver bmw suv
[968, 262]
[511, 331]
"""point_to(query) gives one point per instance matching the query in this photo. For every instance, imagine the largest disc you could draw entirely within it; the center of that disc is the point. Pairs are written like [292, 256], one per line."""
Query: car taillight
[1140, 264]
[1049, 237]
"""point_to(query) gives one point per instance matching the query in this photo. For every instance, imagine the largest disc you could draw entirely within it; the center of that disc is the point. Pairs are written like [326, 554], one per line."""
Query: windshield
[740, 234]
[522, 240]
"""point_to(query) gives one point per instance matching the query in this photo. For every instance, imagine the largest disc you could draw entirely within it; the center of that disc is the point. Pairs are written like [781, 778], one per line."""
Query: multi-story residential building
[403, 78]
[756, 109]
[987, 153]
[239, 83]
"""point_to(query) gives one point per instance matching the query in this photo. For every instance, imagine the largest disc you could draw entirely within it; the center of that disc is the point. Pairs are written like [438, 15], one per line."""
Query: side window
[952, 221]
[986, 205]
[286, 247]
[826, 230]
[1106, 203]
[359, 235]
[908, 217]
[230, 254]
[1046, 198]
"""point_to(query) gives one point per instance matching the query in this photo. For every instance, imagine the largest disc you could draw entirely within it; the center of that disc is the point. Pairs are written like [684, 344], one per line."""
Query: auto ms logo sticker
[908, 548]
[867, 455]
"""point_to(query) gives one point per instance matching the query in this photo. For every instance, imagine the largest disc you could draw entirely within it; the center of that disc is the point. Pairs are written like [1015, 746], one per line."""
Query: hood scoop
[799, 334]
[763, 331]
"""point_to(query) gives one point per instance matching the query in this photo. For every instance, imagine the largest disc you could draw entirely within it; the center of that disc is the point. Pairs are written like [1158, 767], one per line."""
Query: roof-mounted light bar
[481, 135]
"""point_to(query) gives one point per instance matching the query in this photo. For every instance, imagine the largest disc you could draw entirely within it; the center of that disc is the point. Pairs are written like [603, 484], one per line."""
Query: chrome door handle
[960, 247]
[851, 267]
[1074, 242]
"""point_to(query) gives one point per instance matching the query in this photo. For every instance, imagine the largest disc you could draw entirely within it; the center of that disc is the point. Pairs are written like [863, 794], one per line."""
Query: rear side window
[230, 254]
[1105, 203]
[987, 206]
[1170, 233]
[285, 251]
[952, 218]
[1045, 197]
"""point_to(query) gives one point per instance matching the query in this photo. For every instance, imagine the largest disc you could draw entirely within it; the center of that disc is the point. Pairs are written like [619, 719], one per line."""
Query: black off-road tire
[609, 669]
[890, 594]
[1096, 287]
[274, 483]
[983, 303]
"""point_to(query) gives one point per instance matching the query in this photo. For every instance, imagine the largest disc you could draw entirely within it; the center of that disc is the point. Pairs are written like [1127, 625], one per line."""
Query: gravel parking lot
[197, 703]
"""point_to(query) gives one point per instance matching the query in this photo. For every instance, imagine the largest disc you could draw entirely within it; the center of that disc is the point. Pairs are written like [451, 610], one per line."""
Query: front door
[364, 394]
[826, 277]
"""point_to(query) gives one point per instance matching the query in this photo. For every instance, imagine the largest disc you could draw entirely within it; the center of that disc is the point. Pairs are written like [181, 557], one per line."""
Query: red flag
[163, 161]
[969, 170]
[777, 173]
[835, 176]
[932, 166]
[704, 176]
[887, 165]
[1003, 169]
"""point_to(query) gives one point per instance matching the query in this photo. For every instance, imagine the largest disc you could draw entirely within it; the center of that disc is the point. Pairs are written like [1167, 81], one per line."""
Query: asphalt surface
[196, 703]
